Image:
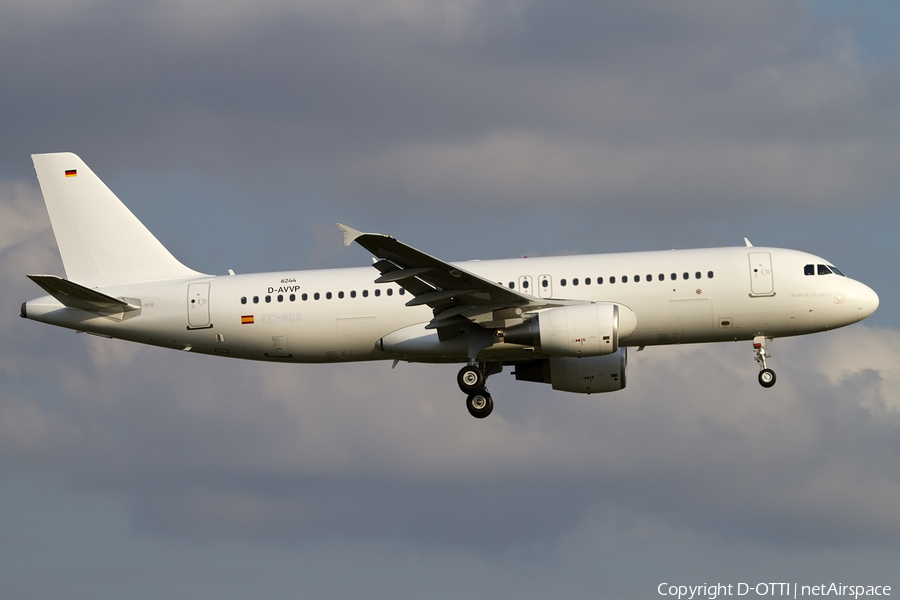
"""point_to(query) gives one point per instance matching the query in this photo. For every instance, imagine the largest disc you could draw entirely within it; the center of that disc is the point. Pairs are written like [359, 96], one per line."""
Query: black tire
[470, 379]
[480, 405]
[767, 378]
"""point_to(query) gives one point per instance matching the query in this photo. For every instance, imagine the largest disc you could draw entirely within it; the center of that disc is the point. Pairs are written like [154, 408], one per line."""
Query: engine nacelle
[579, 330]
[588, 375]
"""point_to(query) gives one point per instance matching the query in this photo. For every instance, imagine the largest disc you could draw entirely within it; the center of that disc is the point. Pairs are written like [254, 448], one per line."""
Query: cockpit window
[821, 270]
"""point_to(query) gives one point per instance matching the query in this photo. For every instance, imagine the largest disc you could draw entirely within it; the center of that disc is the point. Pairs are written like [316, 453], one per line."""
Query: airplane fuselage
[677, 296]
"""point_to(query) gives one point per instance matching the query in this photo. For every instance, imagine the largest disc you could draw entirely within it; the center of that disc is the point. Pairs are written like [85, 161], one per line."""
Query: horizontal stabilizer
[77, 296]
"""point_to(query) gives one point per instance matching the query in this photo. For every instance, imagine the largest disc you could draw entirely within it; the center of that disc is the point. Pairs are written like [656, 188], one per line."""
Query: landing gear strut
[766, 375]
[471, 380]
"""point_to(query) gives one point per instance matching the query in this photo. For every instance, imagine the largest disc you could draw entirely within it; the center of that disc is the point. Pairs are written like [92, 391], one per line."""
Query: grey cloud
[617, 102]
[245, 451]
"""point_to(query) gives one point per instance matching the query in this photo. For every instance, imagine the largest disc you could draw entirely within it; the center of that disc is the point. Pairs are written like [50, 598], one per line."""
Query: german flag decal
[247, 320]
[71, 173]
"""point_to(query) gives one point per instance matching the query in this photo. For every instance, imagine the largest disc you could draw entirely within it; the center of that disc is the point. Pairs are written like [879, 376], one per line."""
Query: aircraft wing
[453, 293]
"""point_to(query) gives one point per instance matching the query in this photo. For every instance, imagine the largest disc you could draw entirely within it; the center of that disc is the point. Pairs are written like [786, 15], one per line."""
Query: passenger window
[316, 296]
[697, 275]
[390, 291]
[687, 275]
[545, 283]
[649, 277]
[624, 278]
[512, 285]
[637, 278]
[575, 281]
[809, 270]
[710, 274]
[524, 284]
[353, 293]
[341, 295]
[402, 291]
[255, 299]
[304, 297]
[674, 276]
[328, 295]
[377, 292]
[662, 276]
[587, 281]
[280, 298]
[599, 280]
[562, 282]
[612, 279]
[244, 300]
[293, 297]
[268, 298]
[365, 293]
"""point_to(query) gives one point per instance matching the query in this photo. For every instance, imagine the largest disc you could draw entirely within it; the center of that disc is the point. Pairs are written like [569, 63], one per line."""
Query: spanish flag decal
[247, 320]
[71, 173]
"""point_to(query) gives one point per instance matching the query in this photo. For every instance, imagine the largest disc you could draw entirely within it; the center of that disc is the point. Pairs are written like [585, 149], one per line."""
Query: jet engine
[579, 330]
[588, 375]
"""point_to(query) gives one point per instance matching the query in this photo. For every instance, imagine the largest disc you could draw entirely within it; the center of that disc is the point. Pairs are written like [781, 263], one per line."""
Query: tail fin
[101, 242]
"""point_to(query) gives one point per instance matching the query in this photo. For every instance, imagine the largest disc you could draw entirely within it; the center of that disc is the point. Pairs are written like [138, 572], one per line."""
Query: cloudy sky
[240, 132]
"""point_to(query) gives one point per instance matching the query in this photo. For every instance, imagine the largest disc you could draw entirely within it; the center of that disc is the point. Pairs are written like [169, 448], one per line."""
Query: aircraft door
[198, 306]
[761, 281]
[545, 286]
[526, 285]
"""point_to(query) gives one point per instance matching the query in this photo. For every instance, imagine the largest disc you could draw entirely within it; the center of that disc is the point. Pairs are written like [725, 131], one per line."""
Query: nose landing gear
[766, 375]
[471, 380]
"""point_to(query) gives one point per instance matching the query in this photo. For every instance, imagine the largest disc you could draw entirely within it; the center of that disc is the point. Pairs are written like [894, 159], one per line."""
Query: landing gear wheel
[470, 380]
[767, 378]
[480, 405]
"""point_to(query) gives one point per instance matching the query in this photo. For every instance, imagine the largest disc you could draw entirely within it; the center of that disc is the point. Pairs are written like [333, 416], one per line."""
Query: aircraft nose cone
[867, 301]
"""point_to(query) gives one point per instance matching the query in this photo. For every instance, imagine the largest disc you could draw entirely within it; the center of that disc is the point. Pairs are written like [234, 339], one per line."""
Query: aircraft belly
[356, 337]
[776, 322]
[285, 337]
[690, 318]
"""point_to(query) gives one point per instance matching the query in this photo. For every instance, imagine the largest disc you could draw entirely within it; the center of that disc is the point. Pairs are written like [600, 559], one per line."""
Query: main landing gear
[766, 375]
[471, 380]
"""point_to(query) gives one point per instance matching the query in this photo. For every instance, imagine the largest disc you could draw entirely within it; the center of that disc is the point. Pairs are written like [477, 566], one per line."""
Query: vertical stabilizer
[101, 242]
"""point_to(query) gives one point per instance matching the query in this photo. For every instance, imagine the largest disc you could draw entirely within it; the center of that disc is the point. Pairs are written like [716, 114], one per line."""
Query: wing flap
[401, 274]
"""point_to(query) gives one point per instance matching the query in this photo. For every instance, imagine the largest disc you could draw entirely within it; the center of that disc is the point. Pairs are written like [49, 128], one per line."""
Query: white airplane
[564, 320]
